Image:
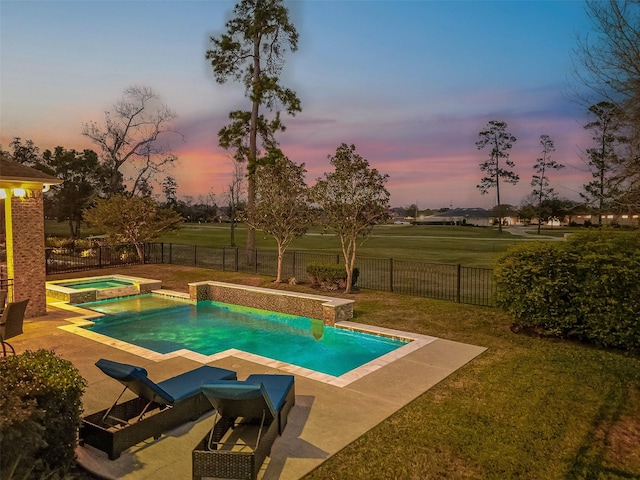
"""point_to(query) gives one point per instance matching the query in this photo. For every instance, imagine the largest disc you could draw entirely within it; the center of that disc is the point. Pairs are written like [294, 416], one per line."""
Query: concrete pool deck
[325, 419]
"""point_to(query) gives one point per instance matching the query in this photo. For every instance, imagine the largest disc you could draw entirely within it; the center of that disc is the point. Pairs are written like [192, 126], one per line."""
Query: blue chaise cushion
[249, 398]
[189, 383]
[168, 391]
[276, 386]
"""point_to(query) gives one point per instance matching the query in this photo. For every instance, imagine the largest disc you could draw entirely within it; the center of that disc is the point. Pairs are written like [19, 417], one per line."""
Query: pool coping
[137, 285]
[82, 318]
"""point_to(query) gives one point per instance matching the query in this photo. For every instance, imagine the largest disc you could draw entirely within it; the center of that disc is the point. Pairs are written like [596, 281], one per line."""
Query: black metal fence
[470, 285]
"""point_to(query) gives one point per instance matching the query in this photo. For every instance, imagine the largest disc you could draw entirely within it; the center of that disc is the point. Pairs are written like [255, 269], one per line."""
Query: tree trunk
[251, 231]
[498, 194]
[349, 262]
[140, 251]
[280, 255]
[232, 215]
[253, 148]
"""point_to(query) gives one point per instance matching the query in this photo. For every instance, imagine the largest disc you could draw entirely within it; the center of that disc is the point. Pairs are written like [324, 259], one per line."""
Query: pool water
[97, 284]
[134, 303]
[212, 327]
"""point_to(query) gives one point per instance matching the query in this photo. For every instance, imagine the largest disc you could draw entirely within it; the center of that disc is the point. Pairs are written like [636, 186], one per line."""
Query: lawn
[529, 407]
[468, 246]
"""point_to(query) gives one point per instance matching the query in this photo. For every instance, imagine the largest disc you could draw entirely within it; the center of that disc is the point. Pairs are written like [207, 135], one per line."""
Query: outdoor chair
[3, 299]
[249, 416]
[159, 407]
[11, 323]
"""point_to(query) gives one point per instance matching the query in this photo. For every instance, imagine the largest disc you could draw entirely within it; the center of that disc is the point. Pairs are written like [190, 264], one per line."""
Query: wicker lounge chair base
[263, 402]
[158, 408]
[230, 464]
[121, 429]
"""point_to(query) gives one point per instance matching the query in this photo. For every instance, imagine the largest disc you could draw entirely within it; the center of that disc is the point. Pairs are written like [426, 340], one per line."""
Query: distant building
[478, 217]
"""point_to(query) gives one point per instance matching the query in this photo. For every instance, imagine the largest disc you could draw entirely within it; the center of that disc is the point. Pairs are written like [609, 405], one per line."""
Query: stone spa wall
[328, 309]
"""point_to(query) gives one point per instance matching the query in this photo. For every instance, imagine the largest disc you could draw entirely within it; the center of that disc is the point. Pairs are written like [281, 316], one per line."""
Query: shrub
[586, 288]
[330, 276]
[41, 405]
[535, 284]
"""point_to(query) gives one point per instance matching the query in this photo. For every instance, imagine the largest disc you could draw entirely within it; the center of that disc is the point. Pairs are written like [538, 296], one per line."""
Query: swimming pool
[210, 327]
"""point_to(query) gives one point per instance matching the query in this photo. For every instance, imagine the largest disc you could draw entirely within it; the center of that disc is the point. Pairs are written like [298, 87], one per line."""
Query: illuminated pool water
[97, 284]
[212, 327]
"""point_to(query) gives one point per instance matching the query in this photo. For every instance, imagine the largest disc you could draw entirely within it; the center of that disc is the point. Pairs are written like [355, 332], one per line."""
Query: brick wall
[25, 245]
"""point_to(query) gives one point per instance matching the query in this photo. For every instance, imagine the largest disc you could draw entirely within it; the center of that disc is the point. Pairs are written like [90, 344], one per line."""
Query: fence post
[100, 256]
[162, 252]
[338, 258]
[223, 258]
[170, 253]
[391, 274]
[195, 255]
[237, 253]
[459, 269]
[256, 259]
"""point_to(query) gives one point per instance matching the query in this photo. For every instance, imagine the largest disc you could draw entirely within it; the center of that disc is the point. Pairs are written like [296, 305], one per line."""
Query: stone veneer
[328, 309]
[24, 220]
[56, 289]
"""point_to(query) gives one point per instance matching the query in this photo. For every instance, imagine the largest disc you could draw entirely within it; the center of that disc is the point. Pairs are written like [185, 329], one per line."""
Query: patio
[324, 420]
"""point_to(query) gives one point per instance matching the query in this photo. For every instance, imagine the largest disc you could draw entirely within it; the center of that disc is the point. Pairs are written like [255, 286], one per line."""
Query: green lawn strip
[473, 247]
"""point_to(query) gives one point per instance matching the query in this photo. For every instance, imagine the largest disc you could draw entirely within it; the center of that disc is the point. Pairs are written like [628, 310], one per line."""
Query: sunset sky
[410, 83]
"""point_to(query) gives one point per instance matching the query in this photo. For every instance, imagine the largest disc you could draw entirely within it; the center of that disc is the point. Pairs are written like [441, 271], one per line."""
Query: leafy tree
[282, 207]
[26, 153]
[129, 140]
[82, 177]
[602, 158]
[353, 199]
[170, 189]
[129, 219]
[540, 182]
[252, 51]
[500, 141]
[527, 209]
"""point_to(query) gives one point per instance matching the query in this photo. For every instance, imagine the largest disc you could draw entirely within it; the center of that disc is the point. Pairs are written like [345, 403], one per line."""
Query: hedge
[40, 401]
[330, 276]
[586, 288]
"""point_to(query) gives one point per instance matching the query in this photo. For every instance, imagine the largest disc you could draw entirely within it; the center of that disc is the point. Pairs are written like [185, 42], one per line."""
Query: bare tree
[130, 137]
[235, 195]
[608, 64]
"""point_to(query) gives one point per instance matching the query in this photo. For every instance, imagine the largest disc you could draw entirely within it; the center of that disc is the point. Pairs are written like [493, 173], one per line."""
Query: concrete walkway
[324, 420]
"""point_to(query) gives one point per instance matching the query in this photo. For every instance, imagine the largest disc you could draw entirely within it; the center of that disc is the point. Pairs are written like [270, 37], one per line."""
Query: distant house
[478, 217]
[623, 220]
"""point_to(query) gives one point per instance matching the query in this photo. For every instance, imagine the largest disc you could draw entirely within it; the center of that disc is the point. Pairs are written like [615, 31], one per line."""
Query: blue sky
[410, 83]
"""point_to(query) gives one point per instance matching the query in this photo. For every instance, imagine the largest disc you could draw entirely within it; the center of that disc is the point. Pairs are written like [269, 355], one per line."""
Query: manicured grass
[529, 407]
[468, 246]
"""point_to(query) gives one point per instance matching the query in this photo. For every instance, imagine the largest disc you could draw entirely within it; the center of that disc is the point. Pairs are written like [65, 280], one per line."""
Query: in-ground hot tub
[91, 289]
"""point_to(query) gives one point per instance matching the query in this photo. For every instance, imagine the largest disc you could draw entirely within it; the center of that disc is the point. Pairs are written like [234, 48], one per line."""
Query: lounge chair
[159, 407]
[11, 323]
[263, 402]
[3, 299]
